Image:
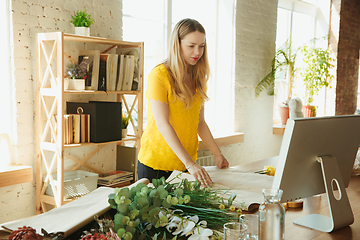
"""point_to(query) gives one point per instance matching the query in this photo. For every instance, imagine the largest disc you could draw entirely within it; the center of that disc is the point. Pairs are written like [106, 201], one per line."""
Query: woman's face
[192, 47]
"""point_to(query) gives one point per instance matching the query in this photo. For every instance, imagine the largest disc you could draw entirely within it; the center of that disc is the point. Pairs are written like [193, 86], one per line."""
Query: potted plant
[315, 74]
[125, 123]
[82, 22]
[76, 75]
[284, 60]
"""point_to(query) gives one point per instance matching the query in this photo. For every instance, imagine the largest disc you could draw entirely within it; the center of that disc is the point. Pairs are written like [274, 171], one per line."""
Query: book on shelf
[91, 60]
[128, 72]
[135, 68]
[102, 73]
[108, 72]
[115, 176]
[84, 128]
[120, 73]
[76, 128]
[112, 66]
[119, 184]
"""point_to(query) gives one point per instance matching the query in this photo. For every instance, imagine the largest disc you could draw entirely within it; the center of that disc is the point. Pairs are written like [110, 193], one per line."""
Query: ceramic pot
[74, 84]
[284, 114]
[309, 111]
[124, 133]
[83, 31]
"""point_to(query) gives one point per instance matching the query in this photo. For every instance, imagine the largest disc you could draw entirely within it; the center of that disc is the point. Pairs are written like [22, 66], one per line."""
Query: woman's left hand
[221, 161]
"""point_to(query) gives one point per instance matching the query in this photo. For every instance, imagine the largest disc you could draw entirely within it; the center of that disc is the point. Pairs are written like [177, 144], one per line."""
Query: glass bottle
[272, 216]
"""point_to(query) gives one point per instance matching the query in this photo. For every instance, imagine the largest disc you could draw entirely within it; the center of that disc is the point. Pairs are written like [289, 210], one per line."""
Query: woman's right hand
[199, 173]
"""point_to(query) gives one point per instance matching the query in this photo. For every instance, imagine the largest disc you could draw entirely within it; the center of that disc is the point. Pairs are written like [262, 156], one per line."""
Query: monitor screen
[298, 172]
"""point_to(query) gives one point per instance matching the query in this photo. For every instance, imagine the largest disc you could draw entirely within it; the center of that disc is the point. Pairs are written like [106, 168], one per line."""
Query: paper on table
[72, 216]
[67, 217]
[247, 186]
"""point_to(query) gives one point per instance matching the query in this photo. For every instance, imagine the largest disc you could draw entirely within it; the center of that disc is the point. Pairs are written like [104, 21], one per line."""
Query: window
[5, 90]
[153, 21]
[300, 21]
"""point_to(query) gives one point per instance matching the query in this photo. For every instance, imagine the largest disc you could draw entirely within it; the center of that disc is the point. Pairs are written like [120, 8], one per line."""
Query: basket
[76, 183]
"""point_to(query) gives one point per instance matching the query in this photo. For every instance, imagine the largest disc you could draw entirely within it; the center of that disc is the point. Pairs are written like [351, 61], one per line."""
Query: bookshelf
[50, 109]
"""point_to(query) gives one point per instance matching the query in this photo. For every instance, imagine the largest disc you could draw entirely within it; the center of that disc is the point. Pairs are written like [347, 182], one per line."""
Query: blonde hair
[178, 68]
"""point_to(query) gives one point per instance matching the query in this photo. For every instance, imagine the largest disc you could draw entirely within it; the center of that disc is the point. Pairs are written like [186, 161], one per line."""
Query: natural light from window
[152, 23]
[300, 22]
[5, 90]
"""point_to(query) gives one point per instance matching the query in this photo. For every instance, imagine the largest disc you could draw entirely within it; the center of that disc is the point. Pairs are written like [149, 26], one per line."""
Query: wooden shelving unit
[51, 104]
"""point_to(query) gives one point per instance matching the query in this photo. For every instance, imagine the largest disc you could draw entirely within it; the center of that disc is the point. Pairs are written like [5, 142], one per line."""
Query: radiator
[206, 161]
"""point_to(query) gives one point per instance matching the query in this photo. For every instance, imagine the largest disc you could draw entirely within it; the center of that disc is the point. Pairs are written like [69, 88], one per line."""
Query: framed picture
[91, 60]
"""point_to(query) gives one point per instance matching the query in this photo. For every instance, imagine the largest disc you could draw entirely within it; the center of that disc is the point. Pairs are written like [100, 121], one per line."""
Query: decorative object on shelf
[82, 22]
[316, 74]
[91, 61]
[295, 108]
[125, 123]
[76, 77]
[284, 112]
[272, 216]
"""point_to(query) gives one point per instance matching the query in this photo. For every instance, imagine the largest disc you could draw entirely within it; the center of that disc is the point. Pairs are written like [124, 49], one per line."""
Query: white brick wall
[28, 18]
[255, 46]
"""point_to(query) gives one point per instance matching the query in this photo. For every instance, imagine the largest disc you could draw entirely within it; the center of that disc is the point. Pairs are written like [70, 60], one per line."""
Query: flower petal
[189, 226]
[206, 232]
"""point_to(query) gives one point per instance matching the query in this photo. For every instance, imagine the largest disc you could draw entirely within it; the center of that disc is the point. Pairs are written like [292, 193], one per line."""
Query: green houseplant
[284, 60]
[76, 75]
[82, 22]
[125, 123]
[315, 74]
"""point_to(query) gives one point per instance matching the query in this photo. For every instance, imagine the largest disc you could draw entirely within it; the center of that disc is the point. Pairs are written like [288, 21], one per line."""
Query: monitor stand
[340, 210]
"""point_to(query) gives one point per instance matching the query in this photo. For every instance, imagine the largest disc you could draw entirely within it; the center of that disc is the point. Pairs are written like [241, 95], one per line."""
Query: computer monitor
[317, 156]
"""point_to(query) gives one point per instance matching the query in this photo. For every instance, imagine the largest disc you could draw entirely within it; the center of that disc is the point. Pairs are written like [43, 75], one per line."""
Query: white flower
[189, 225]
[201, 234]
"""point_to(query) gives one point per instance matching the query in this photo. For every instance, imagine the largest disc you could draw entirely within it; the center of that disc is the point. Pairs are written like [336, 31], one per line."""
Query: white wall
[28, 18]
[255, 45]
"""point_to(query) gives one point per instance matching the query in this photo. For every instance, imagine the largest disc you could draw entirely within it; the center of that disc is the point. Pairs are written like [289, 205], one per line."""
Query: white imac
[317, 156]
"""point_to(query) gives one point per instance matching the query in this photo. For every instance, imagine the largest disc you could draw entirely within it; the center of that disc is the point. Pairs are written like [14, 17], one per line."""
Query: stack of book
[77, 128]
[117, 178]
[111, 72]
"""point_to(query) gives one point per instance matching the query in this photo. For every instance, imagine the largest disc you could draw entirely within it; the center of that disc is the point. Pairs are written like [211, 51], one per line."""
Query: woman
[176, 94]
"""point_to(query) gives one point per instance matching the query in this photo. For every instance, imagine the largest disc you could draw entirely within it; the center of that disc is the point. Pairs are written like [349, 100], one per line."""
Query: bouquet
[168, 210]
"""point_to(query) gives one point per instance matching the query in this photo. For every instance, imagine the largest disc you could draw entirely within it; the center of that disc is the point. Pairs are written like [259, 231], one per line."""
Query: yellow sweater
[154, 151]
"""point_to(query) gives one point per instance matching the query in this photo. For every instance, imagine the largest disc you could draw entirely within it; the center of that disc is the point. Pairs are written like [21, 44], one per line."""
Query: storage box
[126, 158]
[76, 183]
[105, 119]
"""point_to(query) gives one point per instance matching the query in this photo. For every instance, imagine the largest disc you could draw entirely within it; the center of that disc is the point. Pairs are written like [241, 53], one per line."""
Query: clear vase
[272, 216]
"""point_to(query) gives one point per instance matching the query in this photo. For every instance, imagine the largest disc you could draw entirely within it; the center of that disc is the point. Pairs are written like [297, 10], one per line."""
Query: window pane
[303, 29]
[208, 18]
[143, 21]
[144, 9]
